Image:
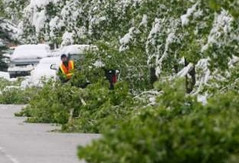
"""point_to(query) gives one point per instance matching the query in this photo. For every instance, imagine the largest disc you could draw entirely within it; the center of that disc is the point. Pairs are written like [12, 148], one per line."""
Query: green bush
[178, 130]
[12, 93]
[224, 81]
[4, 83]
[103, 108]
[52, 104]
[92, 109]
[16, 96]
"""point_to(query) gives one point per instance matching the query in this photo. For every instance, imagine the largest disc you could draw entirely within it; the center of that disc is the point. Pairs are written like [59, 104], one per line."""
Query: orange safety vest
[67, 70]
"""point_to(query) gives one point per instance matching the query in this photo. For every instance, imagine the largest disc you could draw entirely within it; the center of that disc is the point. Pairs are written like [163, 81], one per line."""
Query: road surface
[36, 143]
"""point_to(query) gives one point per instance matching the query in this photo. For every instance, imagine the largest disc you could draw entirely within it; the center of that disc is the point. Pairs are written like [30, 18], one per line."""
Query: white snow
[41, 3]
[198, 14]
[39, 20]
[156, 27]
[43, 71]
[67, 39]
[31, 52]
[190, 11]
[1, 43]
[144, 20]
[149, 96]
[4, 75]
[126, 39]
[171, 37]
[202, 98]
[233, 61]
[99, 64]
[55, 53]
[26, 83]
[10, 28]
[203, 75]
[76, 49]
[185, 70]
[36, 15]
[221, 26]
[55, 24]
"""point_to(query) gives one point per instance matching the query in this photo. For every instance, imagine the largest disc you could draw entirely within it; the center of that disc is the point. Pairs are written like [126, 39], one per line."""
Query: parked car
[25, 58]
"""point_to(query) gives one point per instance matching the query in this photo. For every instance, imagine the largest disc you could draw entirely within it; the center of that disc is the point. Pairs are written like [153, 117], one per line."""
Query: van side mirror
[53, 67]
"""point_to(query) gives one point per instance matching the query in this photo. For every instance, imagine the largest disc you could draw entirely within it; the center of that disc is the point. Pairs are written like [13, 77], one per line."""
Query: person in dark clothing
[111, 76]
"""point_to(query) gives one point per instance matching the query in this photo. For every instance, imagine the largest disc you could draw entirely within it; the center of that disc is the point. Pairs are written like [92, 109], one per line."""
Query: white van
[26, 57]
[43, 70]
[76, 51]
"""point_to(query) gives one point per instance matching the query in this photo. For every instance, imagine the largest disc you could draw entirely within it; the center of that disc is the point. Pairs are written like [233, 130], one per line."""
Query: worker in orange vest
[66, 68]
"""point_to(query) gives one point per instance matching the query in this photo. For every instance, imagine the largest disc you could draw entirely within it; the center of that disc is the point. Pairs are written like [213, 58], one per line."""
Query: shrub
[52, 104]
[93, 109]
[178, 130]
[103, 108]
[16, 96]
[12, 93]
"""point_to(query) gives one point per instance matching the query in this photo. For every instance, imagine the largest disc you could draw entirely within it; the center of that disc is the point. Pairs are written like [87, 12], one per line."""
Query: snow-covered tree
[14, 8]
[144, 38]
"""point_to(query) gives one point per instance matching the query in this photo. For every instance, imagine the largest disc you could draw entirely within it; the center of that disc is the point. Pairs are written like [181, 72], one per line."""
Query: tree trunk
[153, 77]
[190, 78]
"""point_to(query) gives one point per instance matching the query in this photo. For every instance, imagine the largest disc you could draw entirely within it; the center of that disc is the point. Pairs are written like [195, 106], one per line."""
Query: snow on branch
[127, 38]
[159, 62]
[221, 25]
[42, 3]
[149, 96]
[190, 11]
[8, 27]
[185, 70]
[39, 19]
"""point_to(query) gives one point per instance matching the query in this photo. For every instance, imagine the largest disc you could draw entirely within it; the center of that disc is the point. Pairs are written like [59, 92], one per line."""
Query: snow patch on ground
[202, 99]
[4, 75]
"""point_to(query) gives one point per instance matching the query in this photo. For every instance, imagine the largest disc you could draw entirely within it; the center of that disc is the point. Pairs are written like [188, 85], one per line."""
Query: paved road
[35, 143]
